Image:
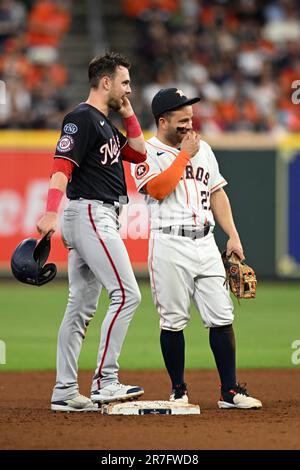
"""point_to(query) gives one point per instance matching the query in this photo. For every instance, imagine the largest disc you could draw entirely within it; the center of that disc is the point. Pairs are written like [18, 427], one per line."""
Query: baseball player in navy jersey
[184, 190]
[88, 166]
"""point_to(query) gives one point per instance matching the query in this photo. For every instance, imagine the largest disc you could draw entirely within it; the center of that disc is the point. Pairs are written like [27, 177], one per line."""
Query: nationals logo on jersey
[65, 143]
[141, 170]
[110, 151]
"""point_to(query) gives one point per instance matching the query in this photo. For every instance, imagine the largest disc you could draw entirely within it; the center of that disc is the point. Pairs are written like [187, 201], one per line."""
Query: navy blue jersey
[93, 144]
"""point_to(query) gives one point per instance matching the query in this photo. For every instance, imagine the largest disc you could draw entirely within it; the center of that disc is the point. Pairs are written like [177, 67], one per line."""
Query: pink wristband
[53, 200]
[132, 126]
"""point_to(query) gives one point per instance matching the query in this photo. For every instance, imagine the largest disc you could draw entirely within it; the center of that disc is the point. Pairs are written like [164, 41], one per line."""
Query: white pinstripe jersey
[189, 203]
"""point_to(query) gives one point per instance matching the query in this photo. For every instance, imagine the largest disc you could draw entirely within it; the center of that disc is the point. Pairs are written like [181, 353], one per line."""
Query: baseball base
[150, 408]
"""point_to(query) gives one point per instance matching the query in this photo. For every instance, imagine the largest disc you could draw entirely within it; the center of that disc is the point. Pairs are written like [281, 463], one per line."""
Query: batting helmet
[28, 259]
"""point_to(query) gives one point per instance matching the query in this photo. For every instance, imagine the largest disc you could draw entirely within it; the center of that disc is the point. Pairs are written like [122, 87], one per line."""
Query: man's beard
[114, 104]
[175, 136]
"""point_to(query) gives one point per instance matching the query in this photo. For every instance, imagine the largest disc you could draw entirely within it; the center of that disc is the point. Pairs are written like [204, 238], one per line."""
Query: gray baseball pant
[97, 257]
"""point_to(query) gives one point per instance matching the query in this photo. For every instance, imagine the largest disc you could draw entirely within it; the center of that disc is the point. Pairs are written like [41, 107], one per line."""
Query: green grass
[30, 317]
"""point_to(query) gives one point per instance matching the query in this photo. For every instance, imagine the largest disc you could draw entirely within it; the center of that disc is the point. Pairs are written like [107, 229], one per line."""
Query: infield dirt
[26, 421]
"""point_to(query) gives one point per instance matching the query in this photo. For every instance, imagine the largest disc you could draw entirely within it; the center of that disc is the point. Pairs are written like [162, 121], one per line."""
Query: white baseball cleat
[238, 397]
[179, 394]
[79, 403]
[116, 392]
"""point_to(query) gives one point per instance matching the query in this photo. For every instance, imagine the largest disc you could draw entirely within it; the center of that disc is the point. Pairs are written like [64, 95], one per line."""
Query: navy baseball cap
[168, 99]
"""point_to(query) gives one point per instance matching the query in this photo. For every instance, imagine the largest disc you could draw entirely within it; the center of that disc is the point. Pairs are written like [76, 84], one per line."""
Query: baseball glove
[239, 276]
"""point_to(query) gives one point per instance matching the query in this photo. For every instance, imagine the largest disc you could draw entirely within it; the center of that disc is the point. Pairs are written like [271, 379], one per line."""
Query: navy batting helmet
[28, 259]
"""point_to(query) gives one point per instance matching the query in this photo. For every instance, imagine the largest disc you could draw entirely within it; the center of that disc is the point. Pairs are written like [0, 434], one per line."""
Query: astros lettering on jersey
[189, 203]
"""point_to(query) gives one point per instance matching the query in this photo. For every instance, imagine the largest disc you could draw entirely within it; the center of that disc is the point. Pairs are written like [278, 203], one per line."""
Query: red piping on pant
[121, 287]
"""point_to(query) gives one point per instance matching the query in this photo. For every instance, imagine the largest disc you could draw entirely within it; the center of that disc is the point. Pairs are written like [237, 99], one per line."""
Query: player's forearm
[134, 134]
[61, 174]
[165, 183]
[59, 181]
[137, 144]
[57, 189]
[221, 209]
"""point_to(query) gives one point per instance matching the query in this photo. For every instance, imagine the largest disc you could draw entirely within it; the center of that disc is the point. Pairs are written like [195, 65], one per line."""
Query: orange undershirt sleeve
[165, 183]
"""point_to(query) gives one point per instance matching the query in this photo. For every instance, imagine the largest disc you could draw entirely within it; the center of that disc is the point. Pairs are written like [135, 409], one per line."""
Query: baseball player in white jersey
[184, 191]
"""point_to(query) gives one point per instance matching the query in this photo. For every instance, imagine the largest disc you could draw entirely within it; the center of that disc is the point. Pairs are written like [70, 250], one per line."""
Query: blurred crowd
[241, 56]
[30, 35]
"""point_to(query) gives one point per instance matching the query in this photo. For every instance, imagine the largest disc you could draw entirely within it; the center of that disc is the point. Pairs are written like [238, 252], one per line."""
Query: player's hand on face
[47, 224]
[191, 143]
[126, 109]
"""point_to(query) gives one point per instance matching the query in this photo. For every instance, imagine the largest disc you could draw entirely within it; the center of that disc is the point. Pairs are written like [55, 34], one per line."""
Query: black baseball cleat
[238, 397]
[179, 394]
